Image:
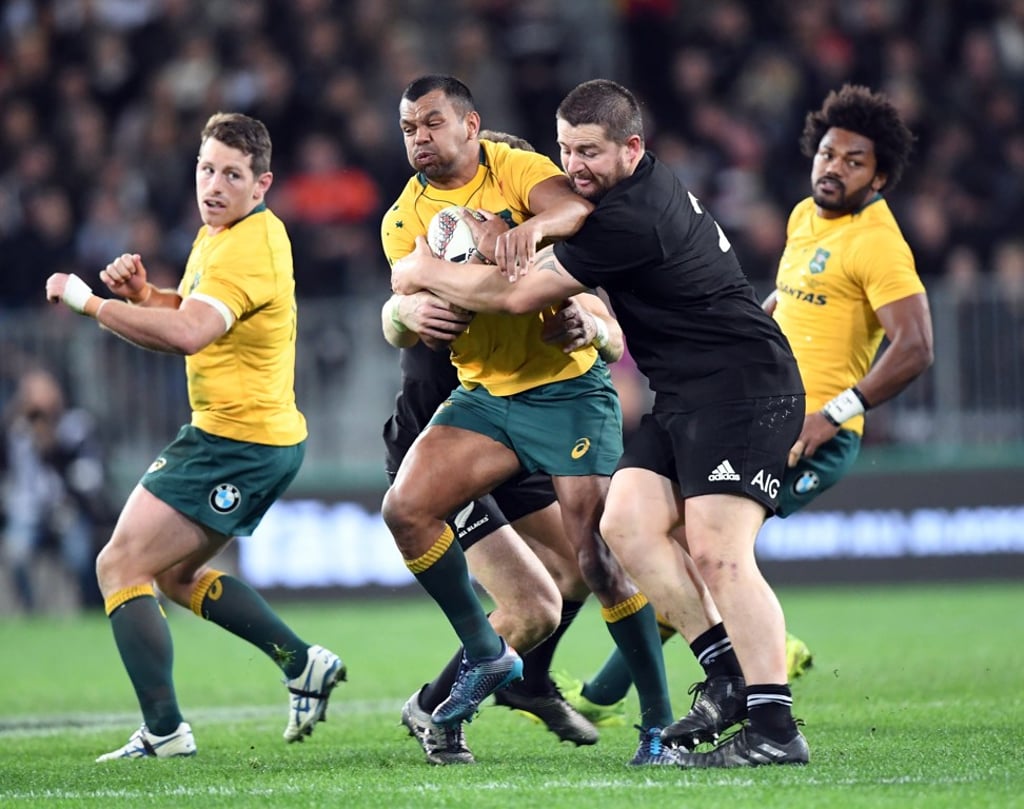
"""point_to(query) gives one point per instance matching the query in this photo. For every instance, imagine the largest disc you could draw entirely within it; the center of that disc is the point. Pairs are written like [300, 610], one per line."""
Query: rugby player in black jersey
[729, 404]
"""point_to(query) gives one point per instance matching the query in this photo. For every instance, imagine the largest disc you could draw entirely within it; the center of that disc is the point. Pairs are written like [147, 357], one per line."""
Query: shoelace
[446, 738]
[651, 739]
[697, 689]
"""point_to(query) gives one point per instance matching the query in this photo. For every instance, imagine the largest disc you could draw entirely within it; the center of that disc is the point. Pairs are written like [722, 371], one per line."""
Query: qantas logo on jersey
[817, 264]
[723, 471]
[815, 299]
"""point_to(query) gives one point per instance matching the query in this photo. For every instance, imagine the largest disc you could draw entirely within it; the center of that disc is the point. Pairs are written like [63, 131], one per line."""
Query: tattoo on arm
[545, 260]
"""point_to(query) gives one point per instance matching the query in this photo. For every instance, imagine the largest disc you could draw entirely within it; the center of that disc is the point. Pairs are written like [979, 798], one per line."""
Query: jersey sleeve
[519, 171]
[235, 282]
[886, 268]
[243, 273]
[396, 236]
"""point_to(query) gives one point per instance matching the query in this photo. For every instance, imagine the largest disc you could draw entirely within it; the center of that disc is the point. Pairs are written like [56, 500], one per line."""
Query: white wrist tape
[844, 407]
[396, 317]
[601, 338]
[76, 293]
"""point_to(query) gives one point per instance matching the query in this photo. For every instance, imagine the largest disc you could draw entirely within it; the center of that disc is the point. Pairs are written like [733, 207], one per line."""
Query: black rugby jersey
[689, 315]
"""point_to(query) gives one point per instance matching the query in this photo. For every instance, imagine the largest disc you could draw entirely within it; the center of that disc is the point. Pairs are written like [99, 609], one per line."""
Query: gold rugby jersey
[242, 386]
[504, 353]
[834, 274]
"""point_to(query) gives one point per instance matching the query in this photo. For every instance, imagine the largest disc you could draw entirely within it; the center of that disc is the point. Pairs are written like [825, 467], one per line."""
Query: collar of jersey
[258, 209]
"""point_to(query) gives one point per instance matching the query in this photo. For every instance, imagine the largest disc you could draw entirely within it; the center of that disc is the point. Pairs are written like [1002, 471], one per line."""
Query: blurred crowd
[102, 101]
[54, 492]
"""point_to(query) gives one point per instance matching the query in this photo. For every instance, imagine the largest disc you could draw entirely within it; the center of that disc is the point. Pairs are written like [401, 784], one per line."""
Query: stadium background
[101, 103]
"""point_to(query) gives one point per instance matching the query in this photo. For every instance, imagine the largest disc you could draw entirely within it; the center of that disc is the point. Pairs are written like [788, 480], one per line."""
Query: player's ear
[634, 145]
[263, 183]
[473, 124]
[879, 181]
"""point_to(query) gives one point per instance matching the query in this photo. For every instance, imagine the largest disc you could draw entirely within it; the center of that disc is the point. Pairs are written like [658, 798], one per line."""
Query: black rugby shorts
[737, 447]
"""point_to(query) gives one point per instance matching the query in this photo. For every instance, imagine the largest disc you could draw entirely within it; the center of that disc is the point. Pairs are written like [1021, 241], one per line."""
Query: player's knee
[396, 511]
[535, 622]
[615, 530]
[109, 569]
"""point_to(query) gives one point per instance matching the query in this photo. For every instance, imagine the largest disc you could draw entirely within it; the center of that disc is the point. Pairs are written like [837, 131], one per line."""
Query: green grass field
[915, 700]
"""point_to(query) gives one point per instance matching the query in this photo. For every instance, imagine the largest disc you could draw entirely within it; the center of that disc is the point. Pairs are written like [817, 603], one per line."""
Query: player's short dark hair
[241, 132]
[607, 103]
[514, 141]
[872, 115]
[453, 89]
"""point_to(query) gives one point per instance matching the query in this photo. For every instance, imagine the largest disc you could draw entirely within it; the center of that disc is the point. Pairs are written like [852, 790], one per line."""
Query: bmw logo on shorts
[225, 498]
[807, 482]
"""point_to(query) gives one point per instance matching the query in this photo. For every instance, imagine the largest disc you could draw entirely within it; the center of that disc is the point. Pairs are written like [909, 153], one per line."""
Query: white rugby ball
[449, 236]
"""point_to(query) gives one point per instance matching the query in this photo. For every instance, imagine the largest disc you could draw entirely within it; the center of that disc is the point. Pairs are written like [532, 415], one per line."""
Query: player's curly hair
[858, 109]
[241, 132]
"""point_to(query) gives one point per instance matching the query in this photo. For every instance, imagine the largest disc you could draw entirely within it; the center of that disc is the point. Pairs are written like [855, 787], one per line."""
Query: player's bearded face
[593, 163]
[844, 175]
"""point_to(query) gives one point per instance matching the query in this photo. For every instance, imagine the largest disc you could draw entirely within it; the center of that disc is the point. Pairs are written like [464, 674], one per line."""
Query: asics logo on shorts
[723, 471]
[579, 449]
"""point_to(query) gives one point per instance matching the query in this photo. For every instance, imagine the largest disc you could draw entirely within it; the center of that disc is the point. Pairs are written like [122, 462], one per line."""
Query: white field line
[41, 725]
[629, 785]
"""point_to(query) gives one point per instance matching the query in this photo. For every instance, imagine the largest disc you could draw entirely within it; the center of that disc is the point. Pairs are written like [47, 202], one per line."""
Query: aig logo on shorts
[225, 498]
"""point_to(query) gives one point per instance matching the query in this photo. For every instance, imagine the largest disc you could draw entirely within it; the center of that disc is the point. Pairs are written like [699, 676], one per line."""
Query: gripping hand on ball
[487, 229]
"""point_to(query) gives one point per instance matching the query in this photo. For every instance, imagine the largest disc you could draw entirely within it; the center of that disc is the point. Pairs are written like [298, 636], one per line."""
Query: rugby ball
[449, 236]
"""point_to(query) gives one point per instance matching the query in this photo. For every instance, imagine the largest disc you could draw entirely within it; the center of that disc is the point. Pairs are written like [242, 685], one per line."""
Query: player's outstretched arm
[186, 329]
[480, 287]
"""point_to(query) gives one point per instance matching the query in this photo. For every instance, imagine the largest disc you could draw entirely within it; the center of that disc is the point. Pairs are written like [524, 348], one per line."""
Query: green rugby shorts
[811, 476]
[220, 483]
[568, 428]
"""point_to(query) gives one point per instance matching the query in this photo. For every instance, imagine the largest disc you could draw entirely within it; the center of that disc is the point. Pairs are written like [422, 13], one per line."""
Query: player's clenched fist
[125, 276]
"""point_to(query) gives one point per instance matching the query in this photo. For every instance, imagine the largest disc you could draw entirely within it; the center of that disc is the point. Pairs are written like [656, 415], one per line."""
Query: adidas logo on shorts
[723, 471]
